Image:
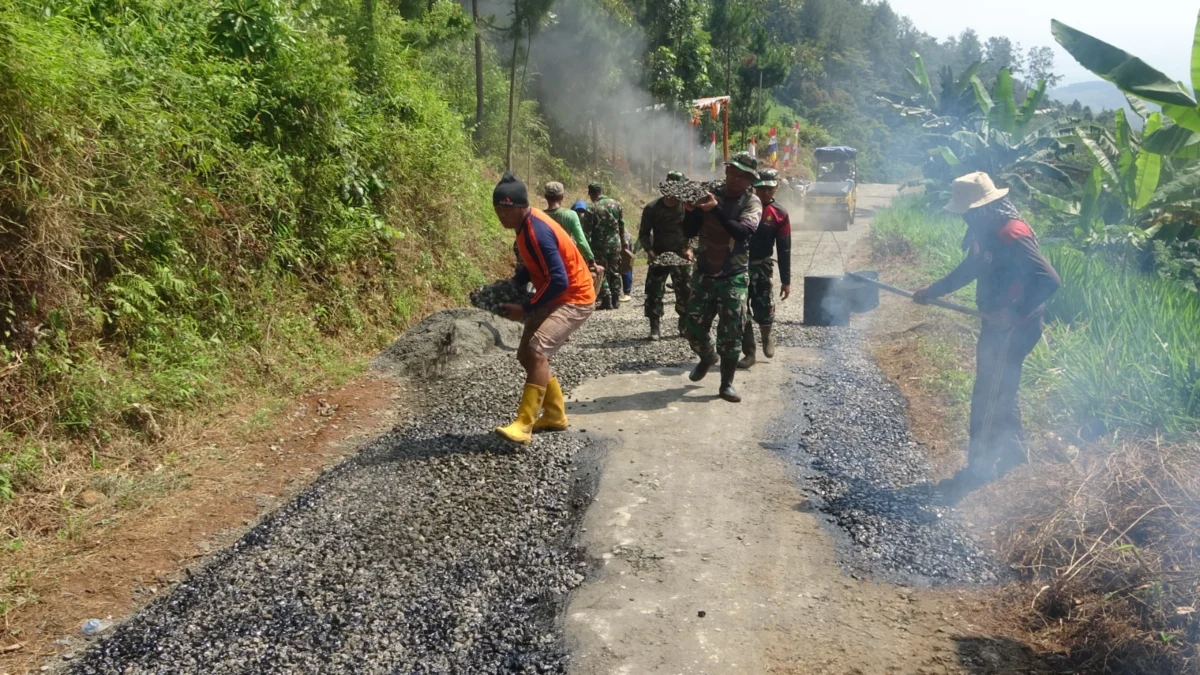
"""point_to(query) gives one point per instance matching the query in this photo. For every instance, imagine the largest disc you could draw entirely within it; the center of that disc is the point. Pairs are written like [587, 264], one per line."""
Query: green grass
[1122, 347]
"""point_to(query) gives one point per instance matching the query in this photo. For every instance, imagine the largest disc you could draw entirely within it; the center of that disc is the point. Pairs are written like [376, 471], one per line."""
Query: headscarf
[989, 218]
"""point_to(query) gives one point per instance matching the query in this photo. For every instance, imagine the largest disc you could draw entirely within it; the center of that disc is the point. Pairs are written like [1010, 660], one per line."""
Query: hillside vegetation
[200, 197]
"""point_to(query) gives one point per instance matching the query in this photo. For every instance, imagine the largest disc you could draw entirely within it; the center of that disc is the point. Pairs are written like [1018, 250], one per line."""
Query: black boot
[616, 299]
[605, 302]
[768, 341]
[749, 348]
[728, 368]
[681, 333]
[707, 361]
[655, 331]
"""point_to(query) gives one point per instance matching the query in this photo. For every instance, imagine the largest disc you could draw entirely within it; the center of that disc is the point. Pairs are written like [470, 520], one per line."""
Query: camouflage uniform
[606, 222]
[723, 298]
[721, 284]
[661, 231]
[762, 298]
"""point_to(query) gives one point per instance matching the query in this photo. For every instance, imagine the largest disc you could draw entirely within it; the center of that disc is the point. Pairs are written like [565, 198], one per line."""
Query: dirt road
[669, 532]
[712, 559]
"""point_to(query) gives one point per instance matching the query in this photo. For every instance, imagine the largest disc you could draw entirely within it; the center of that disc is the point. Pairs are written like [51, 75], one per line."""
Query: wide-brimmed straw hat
[973, 191]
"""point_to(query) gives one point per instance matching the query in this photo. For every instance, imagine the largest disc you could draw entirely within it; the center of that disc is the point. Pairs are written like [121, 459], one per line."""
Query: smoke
[585, 68]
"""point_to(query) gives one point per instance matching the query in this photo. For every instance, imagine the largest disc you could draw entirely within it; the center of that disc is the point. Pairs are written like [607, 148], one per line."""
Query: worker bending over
[564, 299]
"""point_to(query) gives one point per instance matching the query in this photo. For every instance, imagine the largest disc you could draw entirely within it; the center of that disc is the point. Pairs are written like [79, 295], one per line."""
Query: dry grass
[1105, 535]
[1108, 543]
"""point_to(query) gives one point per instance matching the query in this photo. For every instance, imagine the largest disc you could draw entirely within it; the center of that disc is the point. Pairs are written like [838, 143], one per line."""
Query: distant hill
[1097, 95]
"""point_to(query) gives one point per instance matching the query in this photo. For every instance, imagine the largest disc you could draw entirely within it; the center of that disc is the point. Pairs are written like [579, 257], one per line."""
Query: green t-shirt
[569, 220]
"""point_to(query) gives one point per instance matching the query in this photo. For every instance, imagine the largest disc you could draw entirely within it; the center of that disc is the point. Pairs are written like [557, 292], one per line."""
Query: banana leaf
[1137, 105]
[964, 81]
[947, 155]
[1188, 118]
[981, 96]
[1003, 115]
[1049, 171]
[1196, 59]
[1057, 203]
[1102, 160]
[1089, 208]
[1173, 141]
[1123, 69]
[1149, 168]
[1032, 100]
[1180, 187]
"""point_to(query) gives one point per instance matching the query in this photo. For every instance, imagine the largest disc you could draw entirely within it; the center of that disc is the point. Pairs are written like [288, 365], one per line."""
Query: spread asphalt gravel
[847, 432]
[440, 548]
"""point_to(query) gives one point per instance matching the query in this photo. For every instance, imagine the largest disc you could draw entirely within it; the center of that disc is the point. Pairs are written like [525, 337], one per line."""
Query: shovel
[908, 294]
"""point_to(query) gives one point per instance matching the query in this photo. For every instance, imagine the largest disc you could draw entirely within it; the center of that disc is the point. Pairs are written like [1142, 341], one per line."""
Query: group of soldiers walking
[715, 253]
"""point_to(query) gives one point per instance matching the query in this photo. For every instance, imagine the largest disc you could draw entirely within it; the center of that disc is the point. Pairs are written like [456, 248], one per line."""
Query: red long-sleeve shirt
[1010, 270]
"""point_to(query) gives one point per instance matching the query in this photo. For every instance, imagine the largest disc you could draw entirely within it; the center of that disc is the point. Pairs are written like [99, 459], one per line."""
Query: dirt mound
[447, 340]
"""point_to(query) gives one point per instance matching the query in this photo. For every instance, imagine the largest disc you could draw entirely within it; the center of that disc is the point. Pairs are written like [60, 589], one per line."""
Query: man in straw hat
[1014, 281]
[724, 222]
[660, 232]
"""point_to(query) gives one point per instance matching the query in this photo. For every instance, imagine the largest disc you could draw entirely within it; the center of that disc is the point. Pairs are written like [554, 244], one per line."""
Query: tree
[1040, 66]
[527, 16]
[478, 131]
[1001, 54]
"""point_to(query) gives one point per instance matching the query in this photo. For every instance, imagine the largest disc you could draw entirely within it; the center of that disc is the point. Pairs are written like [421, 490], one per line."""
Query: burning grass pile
[1109, 543]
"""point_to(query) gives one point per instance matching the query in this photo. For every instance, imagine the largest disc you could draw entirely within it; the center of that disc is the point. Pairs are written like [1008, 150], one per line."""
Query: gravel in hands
[669, 259]
[848, 433]
[440, 548]
[490, 297]
[689, 192]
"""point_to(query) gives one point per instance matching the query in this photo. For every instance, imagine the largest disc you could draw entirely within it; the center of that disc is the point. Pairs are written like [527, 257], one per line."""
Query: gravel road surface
[441, 549]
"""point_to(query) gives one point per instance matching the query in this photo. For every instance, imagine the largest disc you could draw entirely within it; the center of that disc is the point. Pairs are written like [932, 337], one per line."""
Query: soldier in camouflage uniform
[607, 235]
[661, 232]
[724, 221]
[774, 234]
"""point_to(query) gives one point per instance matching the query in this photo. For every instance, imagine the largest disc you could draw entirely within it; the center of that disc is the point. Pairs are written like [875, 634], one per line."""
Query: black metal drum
[826, 302]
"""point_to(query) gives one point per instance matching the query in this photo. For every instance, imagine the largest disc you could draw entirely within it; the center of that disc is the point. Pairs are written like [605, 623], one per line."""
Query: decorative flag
[773, 149]
[753, 149]
[712, 154]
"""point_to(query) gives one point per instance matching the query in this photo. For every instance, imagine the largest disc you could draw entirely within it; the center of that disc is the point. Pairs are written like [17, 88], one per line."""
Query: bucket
[825, 302]
[863, 297]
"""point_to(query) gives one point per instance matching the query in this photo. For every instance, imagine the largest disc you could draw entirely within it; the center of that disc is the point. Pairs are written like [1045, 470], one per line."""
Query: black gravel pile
[440, 548]
[490, 297]
[689, 192]
[669, 259]
[848, 430]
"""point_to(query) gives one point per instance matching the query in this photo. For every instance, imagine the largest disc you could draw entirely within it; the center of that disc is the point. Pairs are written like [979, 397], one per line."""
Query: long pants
[997, 435]
[656, 289]
[608, 255]
[722, 298]
[627, 281]
[762, 294]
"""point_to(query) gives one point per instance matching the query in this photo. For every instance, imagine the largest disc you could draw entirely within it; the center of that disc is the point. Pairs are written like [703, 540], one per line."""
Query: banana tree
[1128, 185]
[1009, 141]
[950, 106]
[1180, 137]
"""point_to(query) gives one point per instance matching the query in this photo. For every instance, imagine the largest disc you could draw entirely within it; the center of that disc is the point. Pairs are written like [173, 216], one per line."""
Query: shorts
[549, 328]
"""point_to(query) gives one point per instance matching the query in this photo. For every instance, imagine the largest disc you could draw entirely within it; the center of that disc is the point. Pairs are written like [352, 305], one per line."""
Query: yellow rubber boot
[554, 418]
[521, 431]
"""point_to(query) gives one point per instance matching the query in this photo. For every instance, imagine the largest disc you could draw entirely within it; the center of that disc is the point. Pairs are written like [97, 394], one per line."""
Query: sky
[1161, 36]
